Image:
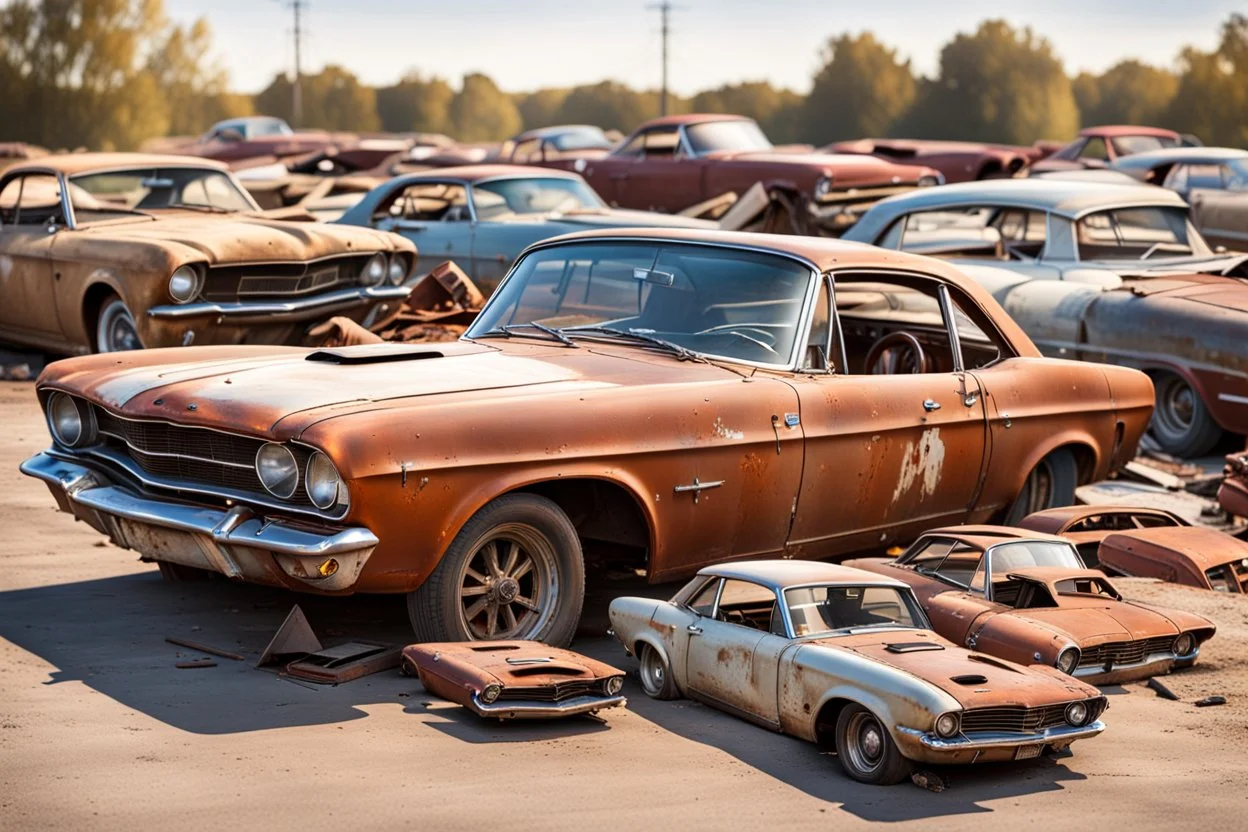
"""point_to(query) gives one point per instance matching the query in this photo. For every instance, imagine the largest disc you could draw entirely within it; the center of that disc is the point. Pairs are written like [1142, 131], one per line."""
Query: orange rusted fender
[1027, 597]
[515, 679]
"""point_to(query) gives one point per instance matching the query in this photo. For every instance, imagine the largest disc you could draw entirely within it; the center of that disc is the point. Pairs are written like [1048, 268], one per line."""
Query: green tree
[774, 109]
[333, 99]
[194, 87]
[1129, 92]
[610, 105]
[541, 108]
[860, 91]
[415, 104]
[996, 85]
[481, 112]
[1212, 97]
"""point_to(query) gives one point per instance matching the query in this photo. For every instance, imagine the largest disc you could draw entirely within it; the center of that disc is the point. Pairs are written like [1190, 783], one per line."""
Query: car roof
[1180, 155]
[981, 537]
[1054, 520]
[479, 173]
[72, 164]
[779, 574]
[557, 130]
[1115, 130]
[689, 118]
[1065, 197]
[1201, 546]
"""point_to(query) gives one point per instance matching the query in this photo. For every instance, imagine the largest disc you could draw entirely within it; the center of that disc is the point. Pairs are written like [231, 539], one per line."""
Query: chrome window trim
[804, 314]
[189, 164]
[916, 609]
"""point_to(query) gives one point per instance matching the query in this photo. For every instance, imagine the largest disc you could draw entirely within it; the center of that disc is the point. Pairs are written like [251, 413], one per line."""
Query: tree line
[107, 74]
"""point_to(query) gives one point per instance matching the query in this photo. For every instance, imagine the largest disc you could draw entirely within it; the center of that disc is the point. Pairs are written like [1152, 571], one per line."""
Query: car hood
[248, 239]
[1093, 620]
[841, 166]
[974, 679]
[509, 663]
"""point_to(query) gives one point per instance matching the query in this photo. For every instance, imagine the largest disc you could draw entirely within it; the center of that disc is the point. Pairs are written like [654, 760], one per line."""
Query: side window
[1022, 233]
[427, 202]
[892, 325]
[962, 565]
[1095, 149]
[1176, 180]
[747, 604]
[818, 350]
[32, 200]
[981, 343]
[1152, 521]
[1205, 177]
[931, 554]
[527, 151]
[635, 148]
[704, 602]
[961, 232]
[662, 144]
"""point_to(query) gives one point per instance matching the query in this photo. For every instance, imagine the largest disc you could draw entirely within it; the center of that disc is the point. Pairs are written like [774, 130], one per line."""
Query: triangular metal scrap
[345, 662]
[293, 638]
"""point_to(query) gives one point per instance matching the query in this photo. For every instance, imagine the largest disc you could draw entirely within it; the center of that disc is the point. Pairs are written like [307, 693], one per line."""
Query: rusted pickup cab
[656, 400]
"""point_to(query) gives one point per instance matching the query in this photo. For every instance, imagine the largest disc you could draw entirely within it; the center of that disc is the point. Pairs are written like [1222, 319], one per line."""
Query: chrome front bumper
[545, 710]
[235, 542]
[988, 740]
[1153, 665]
[243, 312]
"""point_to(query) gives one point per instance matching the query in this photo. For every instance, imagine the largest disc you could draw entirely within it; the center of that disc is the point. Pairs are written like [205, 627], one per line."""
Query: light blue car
[483, 216]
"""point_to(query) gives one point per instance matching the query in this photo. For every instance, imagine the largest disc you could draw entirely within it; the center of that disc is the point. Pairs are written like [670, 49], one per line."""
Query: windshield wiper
[676, 349]
[211, 209]
[506, 330]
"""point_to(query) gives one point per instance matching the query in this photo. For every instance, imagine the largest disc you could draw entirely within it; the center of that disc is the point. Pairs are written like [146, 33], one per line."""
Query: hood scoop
[980, 657]
[375, 354]
[969, 679]
[549, 670]
[912, 647]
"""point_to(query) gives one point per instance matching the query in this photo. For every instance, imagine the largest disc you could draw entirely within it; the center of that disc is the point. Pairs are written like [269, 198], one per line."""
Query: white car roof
[779, 574]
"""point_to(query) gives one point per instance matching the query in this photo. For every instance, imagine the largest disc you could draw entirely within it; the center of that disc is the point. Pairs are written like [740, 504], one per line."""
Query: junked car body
[483, 216]
[561, 143]
[1086, 526]
[956, 161]
[846, 658]
[686, 396]
[515, 679]
[1028, 598]
[1214, 181]
[1097, 147]
[1106, 273]
[104, 252]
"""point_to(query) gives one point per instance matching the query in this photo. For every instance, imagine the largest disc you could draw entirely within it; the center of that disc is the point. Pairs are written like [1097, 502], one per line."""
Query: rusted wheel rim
[864, 742]
[509, 588]
[118, 331]
[653, 673]
[1176, 406]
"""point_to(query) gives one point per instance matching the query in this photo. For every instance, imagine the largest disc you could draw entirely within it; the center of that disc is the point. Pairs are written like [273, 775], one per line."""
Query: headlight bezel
[948, 725]
[613, 685]
[380, 261]
[310, 484]
[397, 260]
[1076, 707]
[278, 448]
[186, 272]
[86, 429]
[1076, 654]
[929, 180]
[823, 186]
[1191, 640]
[490, 693]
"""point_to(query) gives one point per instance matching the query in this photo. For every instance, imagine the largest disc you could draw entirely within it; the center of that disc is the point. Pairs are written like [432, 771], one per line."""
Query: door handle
[931, 404]
[694, 630]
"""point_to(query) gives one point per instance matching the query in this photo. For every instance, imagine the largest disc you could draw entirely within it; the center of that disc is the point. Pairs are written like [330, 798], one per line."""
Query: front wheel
[656, 674]
[1181, 422]
[1050, 484]
[866, 751]
[514, 571]
[115, 329]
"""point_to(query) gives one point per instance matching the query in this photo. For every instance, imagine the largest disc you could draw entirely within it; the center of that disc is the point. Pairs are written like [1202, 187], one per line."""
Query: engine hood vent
[376, 354]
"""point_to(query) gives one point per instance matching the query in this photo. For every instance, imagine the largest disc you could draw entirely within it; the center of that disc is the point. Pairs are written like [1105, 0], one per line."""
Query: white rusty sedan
[846, 658]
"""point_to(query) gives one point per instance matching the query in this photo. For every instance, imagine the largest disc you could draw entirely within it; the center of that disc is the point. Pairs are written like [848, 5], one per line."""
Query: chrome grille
[553, 693]
[260, 281]
[1019, 720]
[1125, 652]
[319, 280]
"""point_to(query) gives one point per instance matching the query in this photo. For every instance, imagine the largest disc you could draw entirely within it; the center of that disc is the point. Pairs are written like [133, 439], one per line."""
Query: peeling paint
[724, 432]
[923, 463]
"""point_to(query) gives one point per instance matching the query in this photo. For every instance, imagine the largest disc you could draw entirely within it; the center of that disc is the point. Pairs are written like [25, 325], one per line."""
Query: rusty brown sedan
[657, 400]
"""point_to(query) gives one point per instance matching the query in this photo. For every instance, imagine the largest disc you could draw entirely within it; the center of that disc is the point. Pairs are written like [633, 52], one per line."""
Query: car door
[1219, 213]
[31, 217]
[666, 177]
[730, 661]
[887, 455]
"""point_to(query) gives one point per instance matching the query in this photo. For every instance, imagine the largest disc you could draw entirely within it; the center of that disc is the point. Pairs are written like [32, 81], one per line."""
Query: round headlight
[322, 481]
[823, 187]
[929, 181]
[1077, 713]
[184, 284]
[490, 693]
[374, 271]
[397, 271]
[947, 725]
[277, 469]
[1067, 660]
[1184, 644]
[614, 685]
[66, 421]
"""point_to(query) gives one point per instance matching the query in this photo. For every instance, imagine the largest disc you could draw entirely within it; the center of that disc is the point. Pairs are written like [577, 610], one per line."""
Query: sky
[528, 44]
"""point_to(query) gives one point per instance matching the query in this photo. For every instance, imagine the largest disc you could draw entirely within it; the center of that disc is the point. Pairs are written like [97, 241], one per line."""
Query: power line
[296, 89]
[665, 9]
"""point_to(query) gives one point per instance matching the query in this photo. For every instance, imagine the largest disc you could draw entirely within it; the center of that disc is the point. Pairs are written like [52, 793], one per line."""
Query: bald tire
[891, 767]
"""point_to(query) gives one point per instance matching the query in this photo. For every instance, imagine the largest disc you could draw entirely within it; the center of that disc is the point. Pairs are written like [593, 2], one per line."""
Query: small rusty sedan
[654, 399]
[847, 659]
[102, 252]
[515, 679]
[1028, 598]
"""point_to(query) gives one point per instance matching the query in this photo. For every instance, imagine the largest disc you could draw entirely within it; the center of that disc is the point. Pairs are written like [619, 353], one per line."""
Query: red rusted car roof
[1112, 130]
[690, 118]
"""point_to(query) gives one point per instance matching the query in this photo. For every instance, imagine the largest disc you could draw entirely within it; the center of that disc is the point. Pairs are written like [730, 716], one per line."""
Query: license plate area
[1027, 752]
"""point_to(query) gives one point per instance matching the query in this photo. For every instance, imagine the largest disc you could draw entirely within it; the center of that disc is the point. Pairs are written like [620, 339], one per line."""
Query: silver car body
[1214, 180]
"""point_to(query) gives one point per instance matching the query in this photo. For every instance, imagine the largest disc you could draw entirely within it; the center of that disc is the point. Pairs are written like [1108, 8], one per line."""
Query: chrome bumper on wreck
[545, 710]
[1153, 665]
[989, 740]
[242, 312]
[236, 542]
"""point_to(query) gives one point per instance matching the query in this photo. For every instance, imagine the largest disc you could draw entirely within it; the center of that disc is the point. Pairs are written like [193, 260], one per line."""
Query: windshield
[1127, 145]
[146, 189]
[1139, 234]
[726, 135]
[1236, 176]
[1025, 554]
[714, 301]
[829, 609]
[533, 196]
[583, 139]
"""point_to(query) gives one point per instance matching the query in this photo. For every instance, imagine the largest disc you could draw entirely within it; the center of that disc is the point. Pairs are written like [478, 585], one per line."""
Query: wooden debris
[204, 648]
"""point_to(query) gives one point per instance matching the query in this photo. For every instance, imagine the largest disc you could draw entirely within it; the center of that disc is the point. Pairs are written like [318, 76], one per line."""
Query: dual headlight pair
[490, 693]
[382, 269]
[1068, 659]
[278, 470]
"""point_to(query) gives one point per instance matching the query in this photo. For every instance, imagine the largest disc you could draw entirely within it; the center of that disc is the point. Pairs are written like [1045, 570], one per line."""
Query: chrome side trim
[237, 311]
[980, 740]
[540, 710]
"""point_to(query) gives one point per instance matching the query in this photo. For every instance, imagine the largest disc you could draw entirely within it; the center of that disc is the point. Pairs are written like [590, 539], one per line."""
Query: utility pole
[296, 90]
[665, 9]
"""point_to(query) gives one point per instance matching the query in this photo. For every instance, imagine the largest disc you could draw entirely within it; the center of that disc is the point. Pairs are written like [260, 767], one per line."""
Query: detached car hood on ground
[974, 679]
[246, 239]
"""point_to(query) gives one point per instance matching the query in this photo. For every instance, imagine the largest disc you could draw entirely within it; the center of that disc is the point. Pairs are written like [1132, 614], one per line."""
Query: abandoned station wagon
[686, 397]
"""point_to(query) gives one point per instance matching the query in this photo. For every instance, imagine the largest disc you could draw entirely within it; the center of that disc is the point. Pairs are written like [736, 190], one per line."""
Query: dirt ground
[99, 730]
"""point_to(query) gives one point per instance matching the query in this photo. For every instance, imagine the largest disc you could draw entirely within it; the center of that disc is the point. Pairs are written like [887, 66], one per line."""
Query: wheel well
[991, 168]
[1085, 461]
[91, 305]
[602, 512]
[825, 723]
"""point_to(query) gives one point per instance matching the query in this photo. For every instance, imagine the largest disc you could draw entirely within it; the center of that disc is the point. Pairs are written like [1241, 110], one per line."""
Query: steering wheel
[901, 344]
